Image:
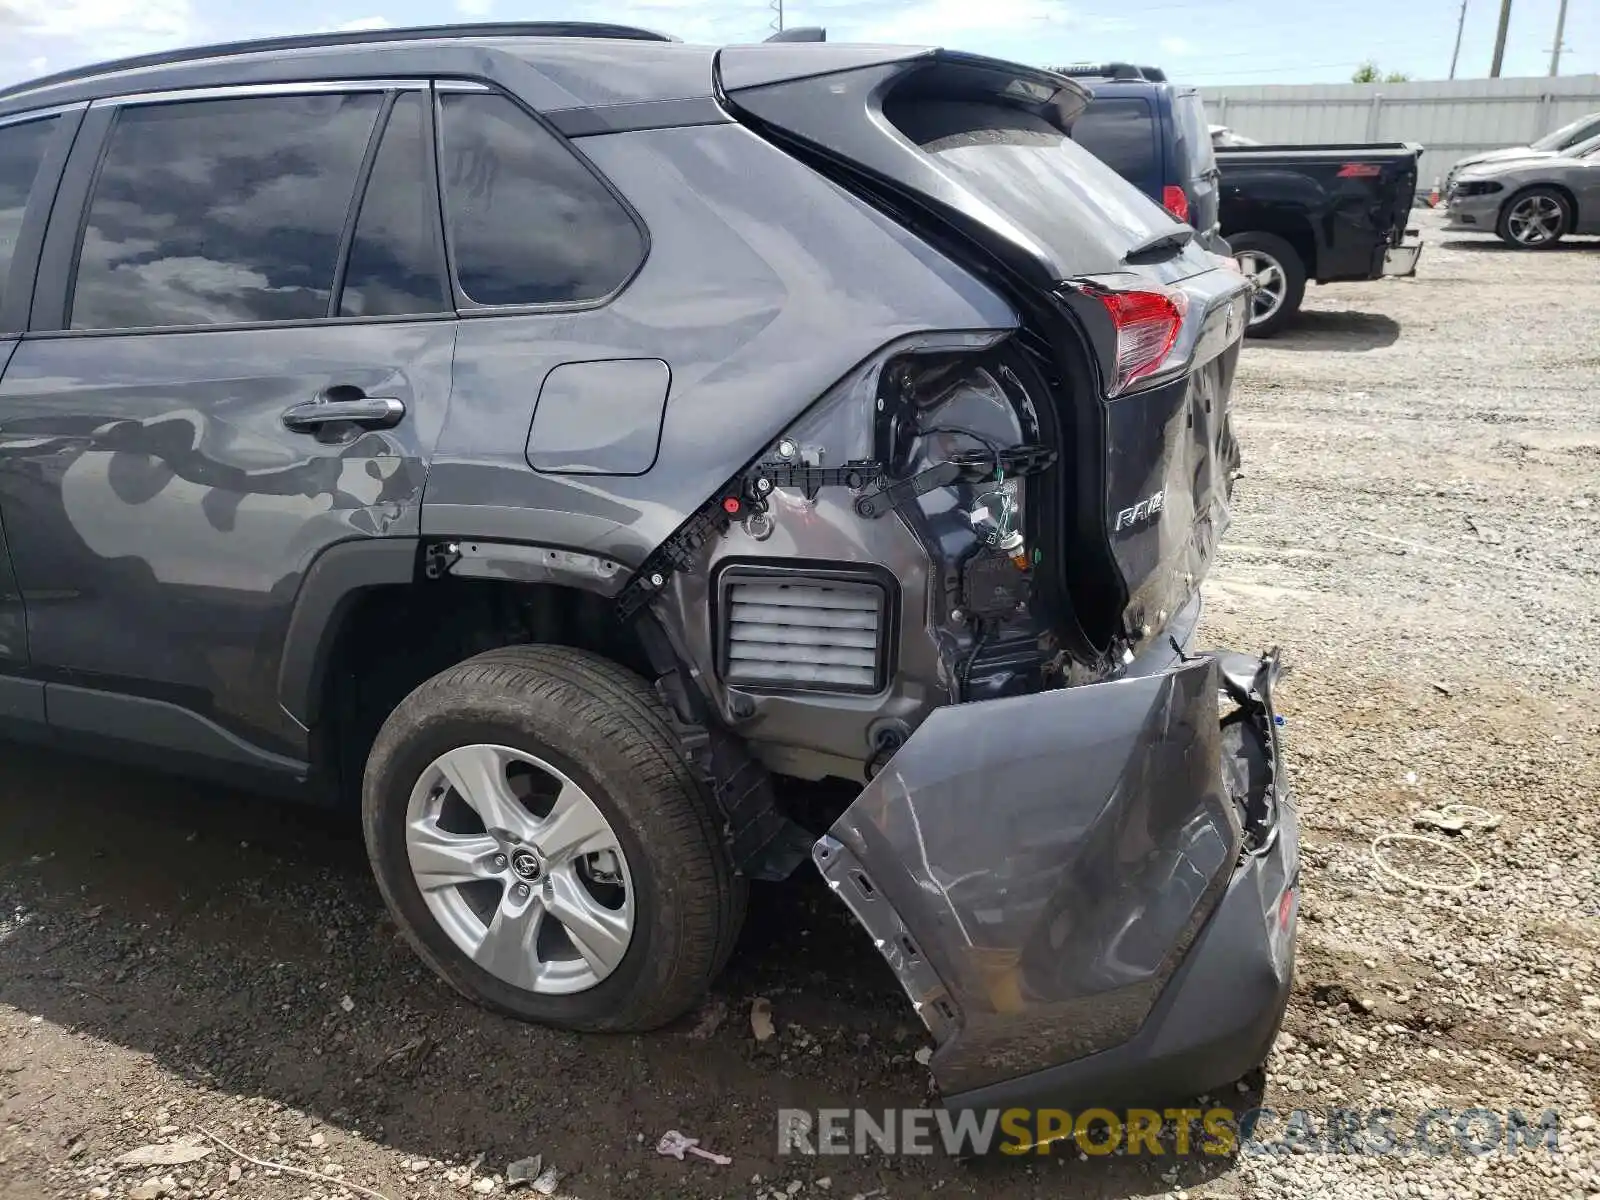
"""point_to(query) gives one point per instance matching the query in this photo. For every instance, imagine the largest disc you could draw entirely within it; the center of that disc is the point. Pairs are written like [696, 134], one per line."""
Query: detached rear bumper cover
[1088, 894]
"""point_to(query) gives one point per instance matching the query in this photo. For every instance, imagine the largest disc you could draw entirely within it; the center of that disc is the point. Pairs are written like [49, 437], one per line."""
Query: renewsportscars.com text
[1435, 1132]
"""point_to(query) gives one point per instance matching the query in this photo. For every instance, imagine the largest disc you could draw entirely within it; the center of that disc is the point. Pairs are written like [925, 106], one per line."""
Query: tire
[551, 719]
[1278, 256]
[1542, 212]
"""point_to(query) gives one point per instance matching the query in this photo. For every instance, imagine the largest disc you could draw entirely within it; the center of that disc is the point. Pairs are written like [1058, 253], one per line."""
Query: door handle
[369, 412]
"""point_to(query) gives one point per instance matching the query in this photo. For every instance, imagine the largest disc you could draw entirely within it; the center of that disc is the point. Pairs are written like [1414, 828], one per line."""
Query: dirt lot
[1419, 527]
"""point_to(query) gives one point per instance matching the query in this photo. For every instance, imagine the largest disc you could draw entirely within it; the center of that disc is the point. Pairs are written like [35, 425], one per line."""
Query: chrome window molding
[40, 114]
[243, 90]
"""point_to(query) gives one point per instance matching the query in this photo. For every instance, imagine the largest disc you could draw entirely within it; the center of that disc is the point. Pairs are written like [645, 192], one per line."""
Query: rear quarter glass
[1195, 154]
[1121, 132]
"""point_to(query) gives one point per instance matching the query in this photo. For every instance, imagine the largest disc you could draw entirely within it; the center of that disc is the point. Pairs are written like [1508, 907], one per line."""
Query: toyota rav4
[546, 435]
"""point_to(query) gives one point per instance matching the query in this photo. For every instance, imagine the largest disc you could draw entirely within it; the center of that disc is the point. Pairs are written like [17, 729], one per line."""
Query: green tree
[1368, 72]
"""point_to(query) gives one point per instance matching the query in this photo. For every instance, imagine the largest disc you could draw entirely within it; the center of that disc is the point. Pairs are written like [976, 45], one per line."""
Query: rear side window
[215, 211]
[529, 222]
[1121, 132]
[22, 149]
[1195, 153]
[397, 252]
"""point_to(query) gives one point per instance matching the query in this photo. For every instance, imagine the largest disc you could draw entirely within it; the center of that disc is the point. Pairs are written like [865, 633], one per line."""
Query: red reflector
[1360, 171]
[1285, 907]
[1147, 324]
[730, 505]
[1176, 201]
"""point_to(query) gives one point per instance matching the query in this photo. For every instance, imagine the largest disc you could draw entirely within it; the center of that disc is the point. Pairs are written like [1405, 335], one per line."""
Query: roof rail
[1112, 70]
[494, 29]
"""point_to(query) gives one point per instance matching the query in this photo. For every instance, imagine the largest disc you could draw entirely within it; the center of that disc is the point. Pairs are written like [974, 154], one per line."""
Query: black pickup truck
[1289, 213]
[1324, 213]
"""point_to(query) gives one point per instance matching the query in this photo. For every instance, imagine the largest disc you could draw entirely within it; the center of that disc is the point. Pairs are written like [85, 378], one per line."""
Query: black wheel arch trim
[334, 581]
[341, 573]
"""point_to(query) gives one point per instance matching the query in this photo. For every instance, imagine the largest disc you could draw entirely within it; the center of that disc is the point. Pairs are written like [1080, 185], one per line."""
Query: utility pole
[1500, 39]
[1561, 28]
[1461, 24]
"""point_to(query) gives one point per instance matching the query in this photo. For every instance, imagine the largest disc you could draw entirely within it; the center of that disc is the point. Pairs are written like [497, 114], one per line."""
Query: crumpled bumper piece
[1057, 878]
[1401, 260]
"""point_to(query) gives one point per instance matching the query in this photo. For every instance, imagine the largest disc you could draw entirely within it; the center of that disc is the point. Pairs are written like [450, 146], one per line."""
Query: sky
[1209, 42]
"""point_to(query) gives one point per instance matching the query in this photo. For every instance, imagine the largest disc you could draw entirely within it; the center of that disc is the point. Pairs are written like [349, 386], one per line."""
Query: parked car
[1331, 214]
[1288, 214]
[1556, 142]
[1223, 138]
[546, 434]
[1531, 202]
[1154, 134]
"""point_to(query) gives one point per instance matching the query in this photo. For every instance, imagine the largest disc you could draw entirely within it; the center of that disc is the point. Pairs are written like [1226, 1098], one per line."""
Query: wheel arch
[1561, 189]
[376, 617]
[1294, 228]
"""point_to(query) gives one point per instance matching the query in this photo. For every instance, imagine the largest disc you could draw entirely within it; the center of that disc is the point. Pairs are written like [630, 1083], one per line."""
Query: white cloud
[474, 8]
[40, 33]
[114, 25]
[1177, 47]
[360, 23]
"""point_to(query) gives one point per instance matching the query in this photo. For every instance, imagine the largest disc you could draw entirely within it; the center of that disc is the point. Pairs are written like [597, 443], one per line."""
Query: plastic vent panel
[804, 632]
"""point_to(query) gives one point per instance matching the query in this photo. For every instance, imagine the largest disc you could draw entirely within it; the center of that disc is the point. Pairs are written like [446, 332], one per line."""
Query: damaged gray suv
[545, 436]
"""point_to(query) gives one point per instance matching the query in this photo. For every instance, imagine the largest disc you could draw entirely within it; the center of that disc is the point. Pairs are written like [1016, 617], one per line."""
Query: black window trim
[358, 200]
[57, 260]
[358, 194]
[21, 275]
[56, 278]
[466, 306]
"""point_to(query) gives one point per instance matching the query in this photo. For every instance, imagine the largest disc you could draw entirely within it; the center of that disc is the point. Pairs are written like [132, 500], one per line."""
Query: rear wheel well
[394, 637]
[1294, 230]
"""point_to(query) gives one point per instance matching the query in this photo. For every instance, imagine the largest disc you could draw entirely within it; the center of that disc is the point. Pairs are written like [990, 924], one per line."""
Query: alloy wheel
[1271, 283]
[1535, 220]
[520, 868]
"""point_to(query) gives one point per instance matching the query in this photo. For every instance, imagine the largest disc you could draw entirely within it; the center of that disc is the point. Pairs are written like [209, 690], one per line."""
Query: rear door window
[1121, 132]
[529, 222]
[22, 150]
[221, 211]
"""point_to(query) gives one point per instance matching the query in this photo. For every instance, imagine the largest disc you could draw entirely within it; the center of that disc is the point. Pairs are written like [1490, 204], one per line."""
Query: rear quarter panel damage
[764, 285]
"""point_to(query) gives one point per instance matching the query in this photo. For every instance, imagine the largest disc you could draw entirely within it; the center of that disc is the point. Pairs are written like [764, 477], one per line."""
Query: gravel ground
[1417, 528]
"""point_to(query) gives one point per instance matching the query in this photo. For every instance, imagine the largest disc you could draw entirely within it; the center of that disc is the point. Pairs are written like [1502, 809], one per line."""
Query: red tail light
[1360, 171]
[1147, 325]
[1176, 201]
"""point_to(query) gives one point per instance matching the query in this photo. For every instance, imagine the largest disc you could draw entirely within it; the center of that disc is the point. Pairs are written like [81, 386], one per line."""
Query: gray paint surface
[1052, 857]
[600, 418]
[149, 485]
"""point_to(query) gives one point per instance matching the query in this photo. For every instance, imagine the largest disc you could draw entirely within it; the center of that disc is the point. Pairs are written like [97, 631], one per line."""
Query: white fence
[1450, 118]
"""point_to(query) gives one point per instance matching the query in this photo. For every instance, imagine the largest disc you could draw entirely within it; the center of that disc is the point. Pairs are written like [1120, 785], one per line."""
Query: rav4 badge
[1141, 512]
